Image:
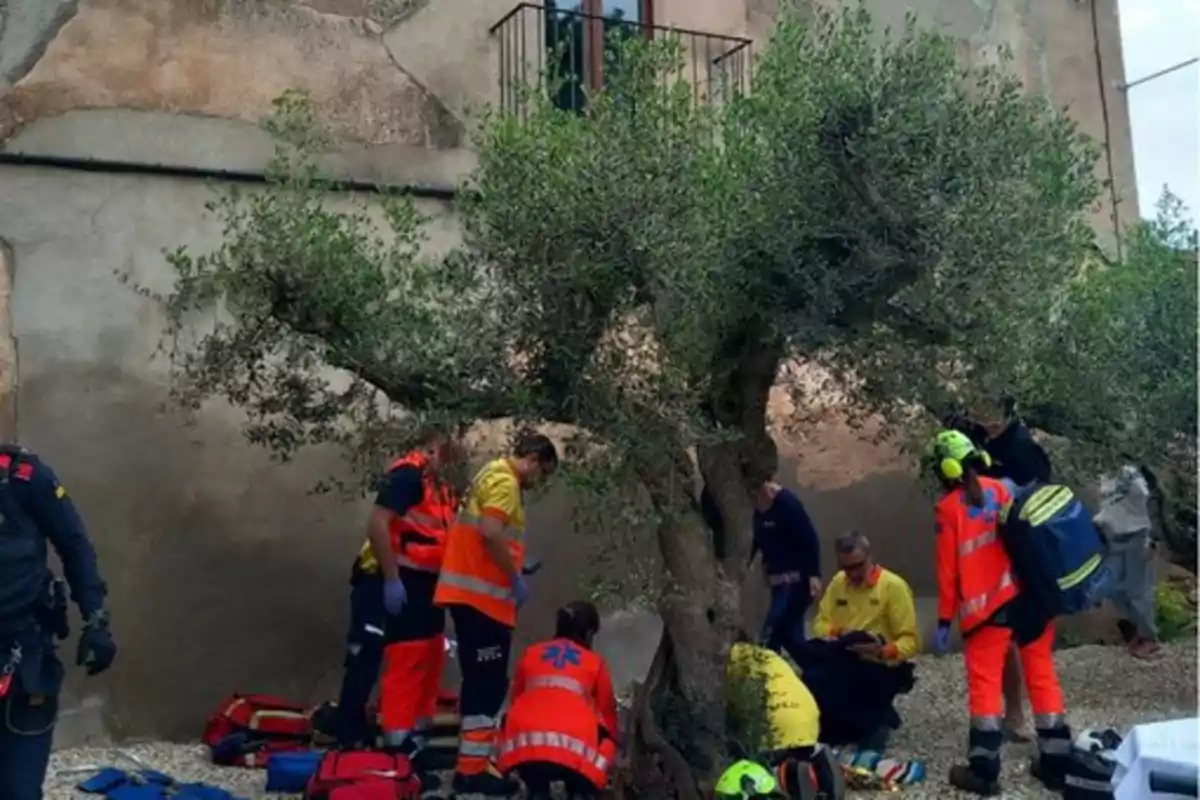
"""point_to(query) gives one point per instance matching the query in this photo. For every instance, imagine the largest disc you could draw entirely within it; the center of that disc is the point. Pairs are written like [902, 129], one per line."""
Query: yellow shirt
[792, 712]
[882, 606]
[496, 492]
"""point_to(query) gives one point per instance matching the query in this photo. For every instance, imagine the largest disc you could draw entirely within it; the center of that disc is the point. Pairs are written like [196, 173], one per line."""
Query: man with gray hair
[868, 623]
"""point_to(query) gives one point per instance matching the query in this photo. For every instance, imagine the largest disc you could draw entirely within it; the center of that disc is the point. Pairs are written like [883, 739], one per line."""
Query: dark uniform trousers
[28, 712]
[364, 656]
[484, 646]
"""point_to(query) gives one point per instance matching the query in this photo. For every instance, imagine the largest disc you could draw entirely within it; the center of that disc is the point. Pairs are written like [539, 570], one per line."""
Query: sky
[1164, 112]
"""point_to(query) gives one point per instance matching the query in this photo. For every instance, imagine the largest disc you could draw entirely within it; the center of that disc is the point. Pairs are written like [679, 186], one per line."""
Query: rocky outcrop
[220, 58]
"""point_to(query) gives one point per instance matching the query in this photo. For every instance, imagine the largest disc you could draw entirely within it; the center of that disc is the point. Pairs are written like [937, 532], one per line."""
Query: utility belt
[32, 633]
[46, 617]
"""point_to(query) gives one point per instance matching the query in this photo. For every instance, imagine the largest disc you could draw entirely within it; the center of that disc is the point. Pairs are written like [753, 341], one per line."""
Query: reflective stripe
[473, 584]
[983, 752]
[510, 532]
[985, 723]
[422, 519]
[557, 682]
[558, 740]
[1054, 747]
[408, 563]
[373, 630]
[475, 749]
[980, 601]
[477, 722]
[396, 738]
[1044, 722]
[1078, 576]
[971, 545]
[784, 579]
[1045, 503]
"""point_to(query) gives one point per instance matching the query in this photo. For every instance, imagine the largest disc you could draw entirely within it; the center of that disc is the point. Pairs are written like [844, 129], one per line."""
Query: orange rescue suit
[419, 537]
[562, 711]
[414, 655]
[974, 572]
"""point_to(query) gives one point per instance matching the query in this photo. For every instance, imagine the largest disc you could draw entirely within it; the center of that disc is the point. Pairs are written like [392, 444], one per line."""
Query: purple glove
[520, 591]
[394, 596]
[941, 639]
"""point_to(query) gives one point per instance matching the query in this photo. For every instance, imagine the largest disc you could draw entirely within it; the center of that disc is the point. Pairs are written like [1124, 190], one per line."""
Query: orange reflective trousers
[985, 651]
[413, 661]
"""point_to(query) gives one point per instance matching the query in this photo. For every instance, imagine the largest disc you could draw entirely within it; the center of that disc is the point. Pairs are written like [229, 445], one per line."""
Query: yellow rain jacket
[794, 718]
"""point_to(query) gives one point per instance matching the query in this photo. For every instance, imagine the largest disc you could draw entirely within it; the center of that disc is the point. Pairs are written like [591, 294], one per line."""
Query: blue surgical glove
[941, 639]
[520, 591]
[394, 595]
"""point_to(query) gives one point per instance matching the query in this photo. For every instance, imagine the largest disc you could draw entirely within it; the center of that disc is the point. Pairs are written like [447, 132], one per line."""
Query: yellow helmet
[949, 449]
[745, 780]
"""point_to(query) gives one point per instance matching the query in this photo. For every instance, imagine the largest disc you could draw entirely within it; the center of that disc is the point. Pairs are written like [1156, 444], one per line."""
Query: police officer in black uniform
[34, 510]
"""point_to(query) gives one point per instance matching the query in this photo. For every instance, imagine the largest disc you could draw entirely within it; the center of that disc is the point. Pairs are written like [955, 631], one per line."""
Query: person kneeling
[867, 631]
[760, 681]
[562, 717]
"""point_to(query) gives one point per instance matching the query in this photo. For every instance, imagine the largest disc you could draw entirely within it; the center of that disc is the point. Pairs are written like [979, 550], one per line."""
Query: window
[576, 37]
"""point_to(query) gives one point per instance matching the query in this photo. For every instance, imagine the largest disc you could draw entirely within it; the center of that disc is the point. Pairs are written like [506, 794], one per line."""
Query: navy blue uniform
[37, 514]
[401, 489]
[791, 554]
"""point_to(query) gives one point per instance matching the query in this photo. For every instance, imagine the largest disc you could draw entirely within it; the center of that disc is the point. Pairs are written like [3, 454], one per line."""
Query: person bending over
[562, 719]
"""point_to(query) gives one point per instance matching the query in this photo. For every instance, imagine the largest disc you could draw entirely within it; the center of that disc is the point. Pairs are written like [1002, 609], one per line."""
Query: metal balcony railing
[582, 47]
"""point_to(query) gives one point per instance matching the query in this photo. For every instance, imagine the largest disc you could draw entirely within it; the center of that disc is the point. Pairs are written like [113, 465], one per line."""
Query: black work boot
[965, 779]
[488, 784]
[981, 774]
[1054, 751]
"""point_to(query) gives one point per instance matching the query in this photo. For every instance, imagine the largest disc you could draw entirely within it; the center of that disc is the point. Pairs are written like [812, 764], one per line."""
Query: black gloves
[96, 646]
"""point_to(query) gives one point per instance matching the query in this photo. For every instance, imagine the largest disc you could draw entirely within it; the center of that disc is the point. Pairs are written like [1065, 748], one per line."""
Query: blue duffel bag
[289, 772]
[1056, 551]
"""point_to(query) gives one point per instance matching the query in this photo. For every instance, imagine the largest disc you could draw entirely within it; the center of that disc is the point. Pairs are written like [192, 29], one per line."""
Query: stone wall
[225, 574]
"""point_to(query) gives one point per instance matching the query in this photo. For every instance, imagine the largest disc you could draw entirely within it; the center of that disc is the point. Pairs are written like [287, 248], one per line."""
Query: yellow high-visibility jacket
[883, 605]
[792, 712]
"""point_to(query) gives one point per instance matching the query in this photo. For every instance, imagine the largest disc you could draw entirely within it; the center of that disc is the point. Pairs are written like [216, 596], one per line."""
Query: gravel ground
[1104, 687]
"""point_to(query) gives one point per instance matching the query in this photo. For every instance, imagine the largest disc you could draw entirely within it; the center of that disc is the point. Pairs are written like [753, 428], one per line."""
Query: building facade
[225, 574]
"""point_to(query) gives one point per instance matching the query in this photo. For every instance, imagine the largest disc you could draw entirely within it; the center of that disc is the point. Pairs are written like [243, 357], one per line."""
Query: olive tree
[641, 273]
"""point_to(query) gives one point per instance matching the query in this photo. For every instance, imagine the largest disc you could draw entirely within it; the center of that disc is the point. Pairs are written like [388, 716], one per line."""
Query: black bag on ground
[1089, 771]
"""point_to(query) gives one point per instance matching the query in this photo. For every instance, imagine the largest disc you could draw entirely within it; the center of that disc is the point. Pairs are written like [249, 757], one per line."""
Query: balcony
[582, 41]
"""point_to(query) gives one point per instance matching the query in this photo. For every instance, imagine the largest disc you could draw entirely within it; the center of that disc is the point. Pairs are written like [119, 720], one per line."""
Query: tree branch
[415, 390]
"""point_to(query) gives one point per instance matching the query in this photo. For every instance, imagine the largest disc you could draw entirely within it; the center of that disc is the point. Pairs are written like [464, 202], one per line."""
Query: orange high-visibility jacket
[974, 572]
[419, 537]
[562, 696]
[469, 575]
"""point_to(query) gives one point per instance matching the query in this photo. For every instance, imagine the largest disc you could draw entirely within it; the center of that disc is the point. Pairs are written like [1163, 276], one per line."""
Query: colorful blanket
[869, 770]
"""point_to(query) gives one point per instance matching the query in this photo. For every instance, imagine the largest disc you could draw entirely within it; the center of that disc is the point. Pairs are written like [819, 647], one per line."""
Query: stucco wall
[224, 573]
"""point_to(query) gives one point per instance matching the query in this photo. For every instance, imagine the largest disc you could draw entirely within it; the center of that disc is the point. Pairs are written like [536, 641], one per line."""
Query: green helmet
[745, 780]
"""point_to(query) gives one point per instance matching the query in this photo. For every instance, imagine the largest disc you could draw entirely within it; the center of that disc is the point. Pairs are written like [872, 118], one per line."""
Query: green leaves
[641, 269]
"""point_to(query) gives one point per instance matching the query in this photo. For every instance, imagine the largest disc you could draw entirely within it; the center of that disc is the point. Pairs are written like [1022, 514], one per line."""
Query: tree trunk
[680, 716]
[680, 744]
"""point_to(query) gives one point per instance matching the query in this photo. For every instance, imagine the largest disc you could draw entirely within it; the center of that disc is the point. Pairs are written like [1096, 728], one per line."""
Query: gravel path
[1104, 687]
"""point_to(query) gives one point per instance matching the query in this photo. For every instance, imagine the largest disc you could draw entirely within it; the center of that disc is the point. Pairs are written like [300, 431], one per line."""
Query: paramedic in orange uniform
[408, 529]
[975, 583]
[392, 618]
[562, 714]
[482, 586]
